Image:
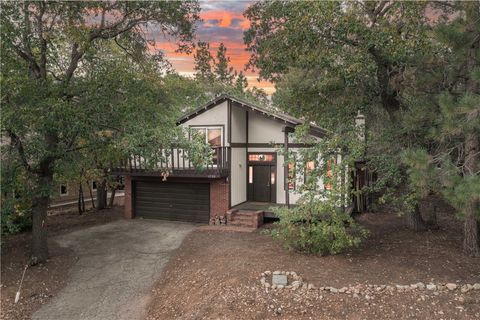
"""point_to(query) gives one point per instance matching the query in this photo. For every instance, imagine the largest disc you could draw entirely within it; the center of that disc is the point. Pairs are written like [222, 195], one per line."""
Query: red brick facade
[128, 208]
[219, 197]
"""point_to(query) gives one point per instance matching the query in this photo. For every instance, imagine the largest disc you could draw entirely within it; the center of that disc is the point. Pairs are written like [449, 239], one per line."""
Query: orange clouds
[223, 22]
[224, 19]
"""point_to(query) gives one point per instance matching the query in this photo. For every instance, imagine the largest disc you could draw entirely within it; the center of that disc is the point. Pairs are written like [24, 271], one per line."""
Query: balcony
[176, 163]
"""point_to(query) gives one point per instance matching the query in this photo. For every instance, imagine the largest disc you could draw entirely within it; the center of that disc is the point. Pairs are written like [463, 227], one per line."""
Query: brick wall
[128, 209]
[219, 197]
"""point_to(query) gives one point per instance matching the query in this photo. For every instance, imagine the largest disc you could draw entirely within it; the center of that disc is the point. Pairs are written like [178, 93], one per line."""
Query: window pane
[250, 174]
[261, 157]
[199, 130]
[215, 137]
[291, 176]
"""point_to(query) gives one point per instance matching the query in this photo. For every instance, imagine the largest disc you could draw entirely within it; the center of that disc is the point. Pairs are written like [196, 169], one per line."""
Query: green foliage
[223, 72]
[203, 62]
[318, 223]
[317, 227]
[16, 215]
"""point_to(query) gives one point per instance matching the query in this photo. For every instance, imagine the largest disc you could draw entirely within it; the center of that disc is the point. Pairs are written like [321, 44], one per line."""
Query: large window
[213, 135]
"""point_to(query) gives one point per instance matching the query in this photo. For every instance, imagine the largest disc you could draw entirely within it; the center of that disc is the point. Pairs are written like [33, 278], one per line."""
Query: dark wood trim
[229, 140]
[289, 121]
[246, 154]
[229, 152]
[285, 170]
[269, 145]
[229, 121]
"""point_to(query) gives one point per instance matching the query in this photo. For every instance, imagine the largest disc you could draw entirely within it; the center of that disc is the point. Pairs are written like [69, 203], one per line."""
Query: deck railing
[176, 162]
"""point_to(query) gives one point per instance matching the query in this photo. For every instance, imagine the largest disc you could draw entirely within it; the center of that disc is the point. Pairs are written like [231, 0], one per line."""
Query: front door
[261, 183]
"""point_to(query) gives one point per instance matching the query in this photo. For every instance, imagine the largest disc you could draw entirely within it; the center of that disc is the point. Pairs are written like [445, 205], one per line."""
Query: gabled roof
[288, 120]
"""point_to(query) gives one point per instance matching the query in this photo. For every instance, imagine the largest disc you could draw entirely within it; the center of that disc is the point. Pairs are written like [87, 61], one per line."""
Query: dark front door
[261, 183]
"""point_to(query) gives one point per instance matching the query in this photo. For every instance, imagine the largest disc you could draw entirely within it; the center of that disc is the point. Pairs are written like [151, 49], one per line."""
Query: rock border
[296, 282]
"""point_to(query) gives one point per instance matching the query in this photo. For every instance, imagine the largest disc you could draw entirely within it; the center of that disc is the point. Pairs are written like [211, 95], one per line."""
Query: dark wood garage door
[173, 201]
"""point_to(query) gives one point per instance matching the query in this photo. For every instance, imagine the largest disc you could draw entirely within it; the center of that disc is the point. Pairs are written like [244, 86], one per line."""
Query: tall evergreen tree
[452, 166]
[203, 62]
[241, 82]
[223, 71]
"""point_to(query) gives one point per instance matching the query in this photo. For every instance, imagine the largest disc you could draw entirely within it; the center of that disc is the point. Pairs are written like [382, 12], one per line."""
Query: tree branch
[18, 145]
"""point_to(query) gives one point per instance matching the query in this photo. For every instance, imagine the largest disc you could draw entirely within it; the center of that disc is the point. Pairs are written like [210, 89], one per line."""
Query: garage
[189, 202]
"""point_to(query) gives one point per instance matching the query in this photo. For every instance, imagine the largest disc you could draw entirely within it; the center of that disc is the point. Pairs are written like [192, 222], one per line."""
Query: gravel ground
[216, 275]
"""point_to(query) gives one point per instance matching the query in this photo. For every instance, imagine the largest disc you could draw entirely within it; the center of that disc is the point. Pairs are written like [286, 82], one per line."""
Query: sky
[223, 21]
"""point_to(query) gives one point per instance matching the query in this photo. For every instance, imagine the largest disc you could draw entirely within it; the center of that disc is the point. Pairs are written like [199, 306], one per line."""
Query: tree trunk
[102, 195]
[91, 194]
[414, 221]
[471, 240]
[81, 199]
[112, 197]
[40, 203]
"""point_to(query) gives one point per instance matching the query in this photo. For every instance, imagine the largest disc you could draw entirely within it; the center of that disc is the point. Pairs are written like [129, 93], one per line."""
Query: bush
[317, 227]
[16, 215]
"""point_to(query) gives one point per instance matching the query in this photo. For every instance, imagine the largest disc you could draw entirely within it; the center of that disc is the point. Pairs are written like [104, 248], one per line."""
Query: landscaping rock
[279, 279]
[451, 286]
[431, 286]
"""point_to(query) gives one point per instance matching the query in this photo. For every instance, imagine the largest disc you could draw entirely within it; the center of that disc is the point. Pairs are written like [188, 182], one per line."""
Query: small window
[261, 157]
[309, 167]
[94, 185]
[329, 173]
[250, 174]
[63, 190]
[291, 176]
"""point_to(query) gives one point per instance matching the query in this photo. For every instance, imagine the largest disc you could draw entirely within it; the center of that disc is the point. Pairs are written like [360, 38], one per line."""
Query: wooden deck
[177, 163]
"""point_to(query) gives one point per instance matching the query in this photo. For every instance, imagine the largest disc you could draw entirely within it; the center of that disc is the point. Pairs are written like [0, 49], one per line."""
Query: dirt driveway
[118, 263]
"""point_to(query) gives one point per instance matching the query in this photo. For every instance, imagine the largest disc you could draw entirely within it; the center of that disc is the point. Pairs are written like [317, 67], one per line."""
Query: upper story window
[213, 135]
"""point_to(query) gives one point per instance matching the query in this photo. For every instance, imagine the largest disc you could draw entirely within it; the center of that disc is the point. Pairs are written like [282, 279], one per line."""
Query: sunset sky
[223, 21]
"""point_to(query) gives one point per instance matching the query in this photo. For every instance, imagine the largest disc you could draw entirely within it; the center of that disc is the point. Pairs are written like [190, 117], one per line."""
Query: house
[247, 171]
[65, 195]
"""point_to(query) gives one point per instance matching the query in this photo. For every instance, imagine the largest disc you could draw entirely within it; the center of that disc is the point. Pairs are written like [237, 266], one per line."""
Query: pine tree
[203, 62]
[241, 82]
[451, 164]
[223, 71]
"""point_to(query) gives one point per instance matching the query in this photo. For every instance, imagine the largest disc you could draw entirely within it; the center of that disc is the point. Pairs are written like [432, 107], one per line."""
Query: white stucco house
[247, 173]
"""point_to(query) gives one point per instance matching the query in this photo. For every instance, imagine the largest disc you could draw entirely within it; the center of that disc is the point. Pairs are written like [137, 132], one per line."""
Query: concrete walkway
[118, 263]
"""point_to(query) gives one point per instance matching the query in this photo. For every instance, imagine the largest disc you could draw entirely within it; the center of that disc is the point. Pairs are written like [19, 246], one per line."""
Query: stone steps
[245, 218]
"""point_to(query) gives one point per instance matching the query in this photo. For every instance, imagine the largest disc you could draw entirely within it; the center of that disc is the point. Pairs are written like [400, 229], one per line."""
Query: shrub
[317, 227]
[16, 215]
